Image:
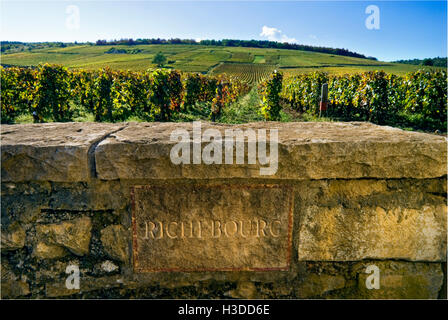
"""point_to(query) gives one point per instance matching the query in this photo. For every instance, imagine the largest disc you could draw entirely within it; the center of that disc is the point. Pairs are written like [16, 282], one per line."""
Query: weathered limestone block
[186, 227]
[11, 285]
[402, 280]
[351, 189]
[341, 234]
[115, 242]
[316, 285]
[14, 289]
[95, 195]
[49, 151]
[60, 152]
[13, 238]
[59, 289]
[23, 201]
[357, 193]
[108, 266]
[306, 151]
[49, 251]
[343, 193]
[6, 271]
[244, 290]
[72, 235]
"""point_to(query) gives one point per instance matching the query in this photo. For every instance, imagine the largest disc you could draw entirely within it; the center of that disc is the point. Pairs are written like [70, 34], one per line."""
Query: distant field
[248, 72]
[255, 63]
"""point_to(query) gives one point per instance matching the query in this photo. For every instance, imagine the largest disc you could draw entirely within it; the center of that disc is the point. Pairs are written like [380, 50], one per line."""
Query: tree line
[17, 46]
[435, 62]
[237, 43]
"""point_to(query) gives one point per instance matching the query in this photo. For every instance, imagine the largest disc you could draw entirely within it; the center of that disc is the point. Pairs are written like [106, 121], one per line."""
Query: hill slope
[203, 59]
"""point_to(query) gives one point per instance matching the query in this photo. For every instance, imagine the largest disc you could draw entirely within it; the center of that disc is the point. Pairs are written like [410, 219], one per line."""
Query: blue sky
[408, 29]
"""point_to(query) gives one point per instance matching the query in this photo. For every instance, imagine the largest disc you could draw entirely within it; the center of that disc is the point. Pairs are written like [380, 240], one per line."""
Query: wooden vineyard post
[323, 99]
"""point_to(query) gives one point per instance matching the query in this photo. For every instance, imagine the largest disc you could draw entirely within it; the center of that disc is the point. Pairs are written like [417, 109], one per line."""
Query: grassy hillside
[248, 63]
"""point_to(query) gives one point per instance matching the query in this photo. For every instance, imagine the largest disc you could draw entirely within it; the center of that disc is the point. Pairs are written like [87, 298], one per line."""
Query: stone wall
[108, 199]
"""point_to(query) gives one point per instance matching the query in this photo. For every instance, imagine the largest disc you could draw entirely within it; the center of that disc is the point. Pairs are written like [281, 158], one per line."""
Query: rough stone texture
[73, 235]
[59, 152]
[316, 285]
[315, 150]
[23, 201]
[344, 234]
[13, 238]
[244, 290]
[49, 151]
[58, 289]
[48, 251]
[14, 289]
[115, 240]
[12, 286]
[108, 266]
[401, 280]
[362, 195]
[186, 227]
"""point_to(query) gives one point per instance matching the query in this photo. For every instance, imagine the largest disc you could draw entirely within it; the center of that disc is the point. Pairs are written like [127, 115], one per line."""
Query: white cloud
[270, 33]
[274, 34]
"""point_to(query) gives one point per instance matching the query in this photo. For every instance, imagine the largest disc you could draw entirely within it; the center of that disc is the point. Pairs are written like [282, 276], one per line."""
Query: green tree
[428, 62]
[159, 59]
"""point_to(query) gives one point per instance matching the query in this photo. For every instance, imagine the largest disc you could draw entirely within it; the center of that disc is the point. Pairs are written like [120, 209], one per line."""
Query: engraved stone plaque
[188, 227]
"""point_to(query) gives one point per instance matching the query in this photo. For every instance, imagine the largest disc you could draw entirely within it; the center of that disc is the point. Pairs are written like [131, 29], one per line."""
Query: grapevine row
[371, 96]
[51, 91]
[246, 72]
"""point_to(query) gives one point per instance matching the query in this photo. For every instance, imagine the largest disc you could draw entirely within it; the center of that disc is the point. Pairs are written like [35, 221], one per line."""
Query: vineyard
[54, 93]
[418, 99]
[246, 72]
[197, 58]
